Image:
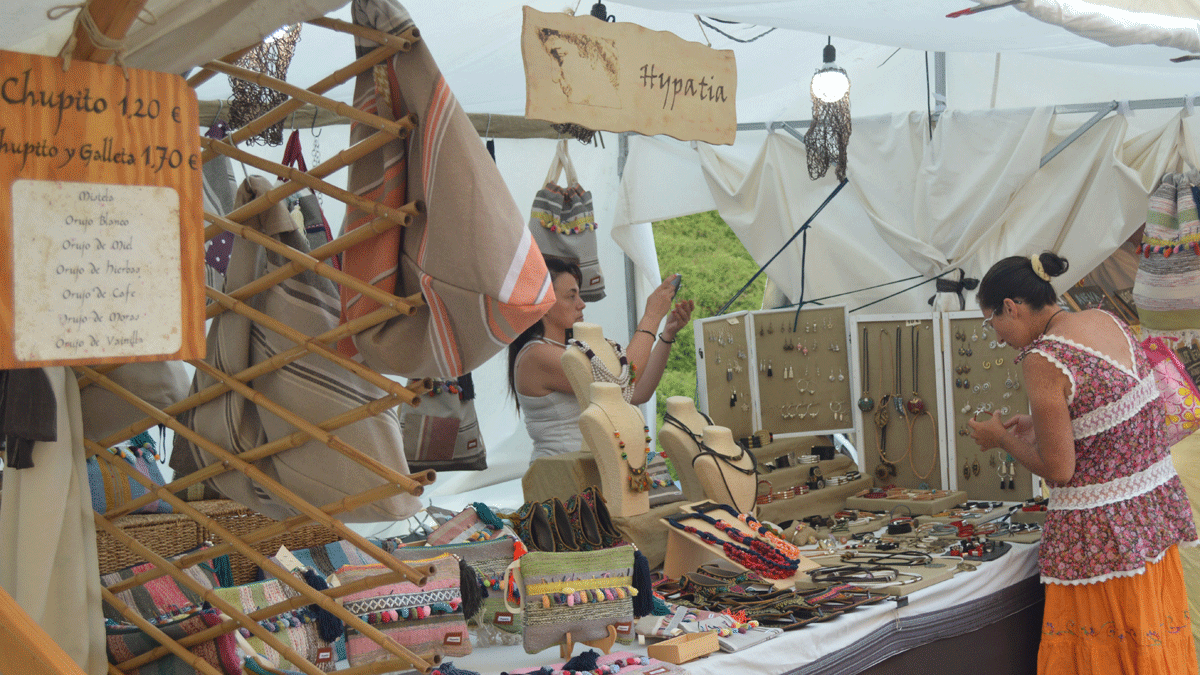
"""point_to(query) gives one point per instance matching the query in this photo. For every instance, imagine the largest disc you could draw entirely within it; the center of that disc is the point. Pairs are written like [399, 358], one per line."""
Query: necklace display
[866, 403]
[726, 460]
[639, 479]
[763, 559]
[882, 417]
[775, 540]
[601, 373]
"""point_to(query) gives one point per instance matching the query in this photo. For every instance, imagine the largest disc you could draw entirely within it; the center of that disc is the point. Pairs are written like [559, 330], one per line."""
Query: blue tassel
[329, 627]
[643, 603]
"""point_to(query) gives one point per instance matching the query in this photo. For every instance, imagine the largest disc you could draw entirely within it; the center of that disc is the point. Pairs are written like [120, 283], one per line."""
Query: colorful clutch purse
[425, 619]
[582, 593]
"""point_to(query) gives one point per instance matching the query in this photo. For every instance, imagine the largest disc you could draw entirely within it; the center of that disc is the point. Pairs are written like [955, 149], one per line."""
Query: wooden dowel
[279, 112]
[317, 267]
[168, 644]
[315, 347]
[278, 572]
[204, 75]
[288, 605]
[338, 161]
[398, 128]
[254, 473]
[316, 433]
[175, 569]
[402, 42]
[292, 268]
[276, 362]
[401, 215]
[265, 533]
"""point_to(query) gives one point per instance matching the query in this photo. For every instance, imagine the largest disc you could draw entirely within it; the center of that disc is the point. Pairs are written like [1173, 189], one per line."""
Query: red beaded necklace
[760, 558]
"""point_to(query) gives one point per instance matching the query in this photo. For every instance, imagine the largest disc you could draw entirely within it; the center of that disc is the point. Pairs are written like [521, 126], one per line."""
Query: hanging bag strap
[561, 159]
[572, 179]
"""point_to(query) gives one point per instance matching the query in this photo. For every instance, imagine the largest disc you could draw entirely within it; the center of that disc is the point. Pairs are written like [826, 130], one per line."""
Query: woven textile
[126, 641]
[158, 597]
[581, 593]
[421, 618]
[297, 628]
[1167, 287]
[443, 432]
[482, 277]
[110, 487]
[312, 387]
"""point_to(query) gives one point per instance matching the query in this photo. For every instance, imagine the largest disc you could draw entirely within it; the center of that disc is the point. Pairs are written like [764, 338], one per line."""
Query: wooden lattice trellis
[319, 345]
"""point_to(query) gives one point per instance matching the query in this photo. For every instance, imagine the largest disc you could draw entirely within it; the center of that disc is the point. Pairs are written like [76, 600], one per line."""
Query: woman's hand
[988, 432]
[678, 318]
[1021, 426]
[659, 303]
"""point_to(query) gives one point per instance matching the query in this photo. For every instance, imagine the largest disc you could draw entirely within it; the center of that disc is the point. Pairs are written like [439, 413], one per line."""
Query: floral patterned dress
[1125, 505]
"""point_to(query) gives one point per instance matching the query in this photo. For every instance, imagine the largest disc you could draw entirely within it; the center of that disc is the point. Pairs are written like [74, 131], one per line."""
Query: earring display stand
[909, 451]
[979, 375]
[802, 371]
[725, 372]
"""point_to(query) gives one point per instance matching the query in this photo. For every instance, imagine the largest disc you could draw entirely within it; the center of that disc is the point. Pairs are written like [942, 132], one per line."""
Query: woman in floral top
[1115, 596]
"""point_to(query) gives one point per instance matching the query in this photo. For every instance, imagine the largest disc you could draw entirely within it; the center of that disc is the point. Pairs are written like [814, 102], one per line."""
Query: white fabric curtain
[48, 558]
[969, 196]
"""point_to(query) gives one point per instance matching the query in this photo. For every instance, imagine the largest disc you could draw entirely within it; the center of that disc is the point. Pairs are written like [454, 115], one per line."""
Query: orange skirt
[1135, 625]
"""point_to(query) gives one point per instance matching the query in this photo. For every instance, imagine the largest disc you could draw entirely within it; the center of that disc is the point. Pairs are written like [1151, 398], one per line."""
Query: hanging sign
[623, 77]
[101, 215]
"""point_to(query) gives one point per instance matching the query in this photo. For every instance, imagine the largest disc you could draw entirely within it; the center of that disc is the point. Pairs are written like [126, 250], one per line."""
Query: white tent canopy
[914, 205]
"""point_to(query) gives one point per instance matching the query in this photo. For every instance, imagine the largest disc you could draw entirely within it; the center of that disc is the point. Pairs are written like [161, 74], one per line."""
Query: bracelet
[670, 342]
[643, 330]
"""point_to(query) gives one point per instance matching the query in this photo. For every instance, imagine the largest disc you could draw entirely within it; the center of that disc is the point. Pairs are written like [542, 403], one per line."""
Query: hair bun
[1054, 264]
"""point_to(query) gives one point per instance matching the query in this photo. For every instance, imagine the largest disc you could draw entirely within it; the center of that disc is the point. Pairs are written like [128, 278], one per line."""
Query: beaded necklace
[639, 480]
[775, 540]
[764, 550]
[601, 373]
[770, 566]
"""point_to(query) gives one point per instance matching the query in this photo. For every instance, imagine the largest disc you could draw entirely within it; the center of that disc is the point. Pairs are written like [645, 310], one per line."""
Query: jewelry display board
[979, 376]
[723, 363]
[802, 371]
[898, 400]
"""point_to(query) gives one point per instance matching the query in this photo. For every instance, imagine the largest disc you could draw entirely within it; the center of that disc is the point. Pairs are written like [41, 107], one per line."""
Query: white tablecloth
[853, 641]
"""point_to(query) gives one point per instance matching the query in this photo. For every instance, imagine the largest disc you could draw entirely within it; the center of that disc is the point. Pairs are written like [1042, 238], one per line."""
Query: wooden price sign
[623, 77]
[101, 218]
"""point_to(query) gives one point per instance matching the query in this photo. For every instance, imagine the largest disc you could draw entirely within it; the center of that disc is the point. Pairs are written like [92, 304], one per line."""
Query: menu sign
[100, 215]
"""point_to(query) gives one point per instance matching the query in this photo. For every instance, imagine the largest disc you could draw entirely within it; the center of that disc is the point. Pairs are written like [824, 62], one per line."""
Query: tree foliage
[714, 265]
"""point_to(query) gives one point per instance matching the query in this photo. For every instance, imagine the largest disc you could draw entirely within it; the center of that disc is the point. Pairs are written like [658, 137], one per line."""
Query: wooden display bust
[721, 479]
[578, 367]
[680, 446]
[608, 412]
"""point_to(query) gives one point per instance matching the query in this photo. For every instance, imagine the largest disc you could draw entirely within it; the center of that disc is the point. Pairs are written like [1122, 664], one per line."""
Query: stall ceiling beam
[308, 117]
[113, 18]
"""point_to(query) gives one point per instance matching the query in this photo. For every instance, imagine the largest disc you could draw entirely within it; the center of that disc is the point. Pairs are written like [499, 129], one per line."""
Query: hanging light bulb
[829, 134]
[830, 83]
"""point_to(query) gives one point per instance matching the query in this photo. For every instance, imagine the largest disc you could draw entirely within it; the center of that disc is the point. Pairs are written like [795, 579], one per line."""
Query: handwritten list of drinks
[100, 283]
[102, 218]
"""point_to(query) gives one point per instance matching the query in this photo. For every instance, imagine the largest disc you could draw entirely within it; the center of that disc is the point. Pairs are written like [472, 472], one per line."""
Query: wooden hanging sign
[101, 215]
[624, 77]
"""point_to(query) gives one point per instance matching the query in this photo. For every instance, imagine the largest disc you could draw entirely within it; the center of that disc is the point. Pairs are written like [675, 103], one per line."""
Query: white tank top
[552, 421]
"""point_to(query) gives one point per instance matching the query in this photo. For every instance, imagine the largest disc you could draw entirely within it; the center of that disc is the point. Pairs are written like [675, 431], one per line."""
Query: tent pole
[1100, 114]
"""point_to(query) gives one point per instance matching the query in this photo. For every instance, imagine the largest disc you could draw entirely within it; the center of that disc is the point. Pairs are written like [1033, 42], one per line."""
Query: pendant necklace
[915, 405]
[866, 403]
[882, 415]
[898, 399]
[639, 480]
[601, 373]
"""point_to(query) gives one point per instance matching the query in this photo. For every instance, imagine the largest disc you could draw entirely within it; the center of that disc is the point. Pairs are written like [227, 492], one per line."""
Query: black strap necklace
[866, 403]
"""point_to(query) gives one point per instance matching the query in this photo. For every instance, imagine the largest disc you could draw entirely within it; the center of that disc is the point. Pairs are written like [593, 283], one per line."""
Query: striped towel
[481, 274]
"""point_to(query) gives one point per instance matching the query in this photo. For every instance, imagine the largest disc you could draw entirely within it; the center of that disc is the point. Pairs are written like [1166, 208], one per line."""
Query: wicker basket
[166, 534]
[684, 648]
[169, 534]
[240, 520]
